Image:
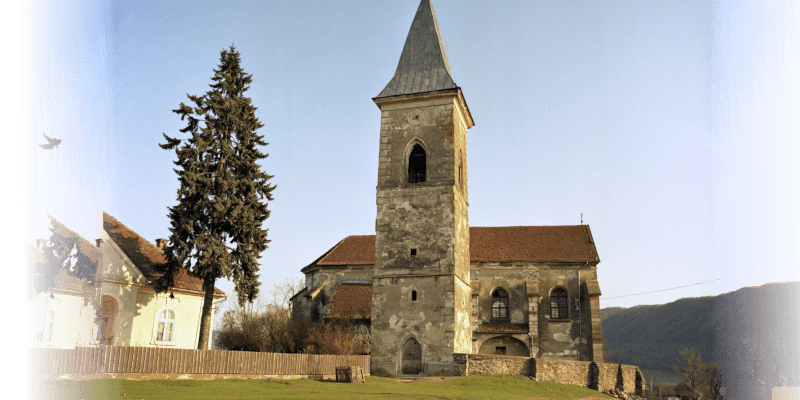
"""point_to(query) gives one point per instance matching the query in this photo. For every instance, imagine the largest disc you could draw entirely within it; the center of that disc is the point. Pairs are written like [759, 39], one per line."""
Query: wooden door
[412, 357]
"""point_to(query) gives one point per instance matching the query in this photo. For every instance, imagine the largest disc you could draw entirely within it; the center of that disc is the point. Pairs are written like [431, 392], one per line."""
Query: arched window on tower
[500, 304]
[416, 165]
[558, 304]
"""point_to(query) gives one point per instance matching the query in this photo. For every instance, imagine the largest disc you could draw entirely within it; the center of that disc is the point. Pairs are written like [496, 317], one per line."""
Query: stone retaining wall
[598, 376]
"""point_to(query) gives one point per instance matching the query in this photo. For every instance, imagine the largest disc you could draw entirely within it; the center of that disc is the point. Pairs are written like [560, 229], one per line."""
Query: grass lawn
[473, 387]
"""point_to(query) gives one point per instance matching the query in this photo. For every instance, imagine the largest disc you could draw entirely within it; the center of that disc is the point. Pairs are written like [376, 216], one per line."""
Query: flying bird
[52, 143]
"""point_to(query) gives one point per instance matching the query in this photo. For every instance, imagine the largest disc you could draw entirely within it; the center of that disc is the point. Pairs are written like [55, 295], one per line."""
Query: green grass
[473, 387]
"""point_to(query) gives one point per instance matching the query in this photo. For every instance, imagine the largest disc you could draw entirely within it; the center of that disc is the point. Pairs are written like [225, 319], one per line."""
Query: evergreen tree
[216, 227]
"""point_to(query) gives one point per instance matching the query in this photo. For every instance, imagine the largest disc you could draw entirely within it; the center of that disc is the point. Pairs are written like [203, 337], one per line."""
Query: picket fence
[152, 360]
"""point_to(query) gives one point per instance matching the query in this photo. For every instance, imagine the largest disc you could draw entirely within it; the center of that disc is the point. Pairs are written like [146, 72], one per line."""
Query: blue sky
[668, 125]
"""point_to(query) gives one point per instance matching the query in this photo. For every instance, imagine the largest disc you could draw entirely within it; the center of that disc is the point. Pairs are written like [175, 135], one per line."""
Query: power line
[693, 284]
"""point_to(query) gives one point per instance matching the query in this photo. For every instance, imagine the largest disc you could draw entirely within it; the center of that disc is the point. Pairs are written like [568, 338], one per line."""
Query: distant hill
[650, 336]
[751, 332]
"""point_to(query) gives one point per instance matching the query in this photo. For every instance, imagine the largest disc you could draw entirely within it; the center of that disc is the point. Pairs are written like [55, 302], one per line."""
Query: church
[427, 285]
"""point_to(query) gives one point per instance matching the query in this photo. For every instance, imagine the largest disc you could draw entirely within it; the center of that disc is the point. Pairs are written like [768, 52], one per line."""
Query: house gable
[117, 266]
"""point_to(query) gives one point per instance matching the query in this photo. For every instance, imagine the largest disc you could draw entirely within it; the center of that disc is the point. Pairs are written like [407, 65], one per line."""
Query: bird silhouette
[52, 143]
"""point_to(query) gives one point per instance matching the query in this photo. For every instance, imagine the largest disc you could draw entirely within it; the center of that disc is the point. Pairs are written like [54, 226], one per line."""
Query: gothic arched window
[558, 304]
[500, 304]
[416, 165]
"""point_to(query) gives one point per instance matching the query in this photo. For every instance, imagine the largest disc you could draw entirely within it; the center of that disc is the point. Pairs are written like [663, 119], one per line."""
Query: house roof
[566, 243]
[532, 243]
[52, 276]
[84, 246]
[352, 300]
[423, 65]
[144, 254]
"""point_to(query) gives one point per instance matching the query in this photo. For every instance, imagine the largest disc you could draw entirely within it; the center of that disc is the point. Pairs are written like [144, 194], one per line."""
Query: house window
[500, 304]
[416, 165]
[558, 304]
[166, 326]
[47, 320]
[100, 329]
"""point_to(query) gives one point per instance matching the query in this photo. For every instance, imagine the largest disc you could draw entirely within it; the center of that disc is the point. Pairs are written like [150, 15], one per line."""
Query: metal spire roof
[423, 66]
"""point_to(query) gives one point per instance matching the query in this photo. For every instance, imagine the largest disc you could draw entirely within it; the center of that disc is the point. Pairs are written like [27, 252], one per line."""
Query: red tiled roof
[144, 254]
[532, 243]
[352, 300]
[351, 250]
[489, 244]
[502, 327]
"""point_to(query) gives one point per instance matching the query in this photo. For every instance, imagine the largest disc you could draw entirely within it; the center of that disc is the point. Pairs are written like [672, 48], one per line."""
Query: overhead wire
[693, 284]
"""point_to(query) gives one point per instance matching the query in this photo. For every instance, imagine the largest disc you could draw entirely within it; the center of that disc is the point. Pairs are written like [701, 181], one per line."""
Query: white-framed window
[165, 326]
[46, 323]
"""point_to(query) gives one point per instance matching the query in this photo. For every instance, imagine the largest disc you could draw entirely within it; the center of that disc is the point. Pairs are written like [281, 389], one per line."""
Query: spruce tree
[217, 226]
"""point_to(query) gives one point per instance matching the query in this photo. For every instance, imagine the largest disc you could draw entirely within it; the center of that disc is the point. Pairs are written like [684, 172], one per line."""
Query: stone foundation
[597, 376]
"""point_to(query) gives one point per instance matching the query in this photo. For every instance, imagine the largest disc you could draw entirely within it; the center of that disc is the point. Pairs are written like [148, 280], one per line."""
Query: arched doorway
[412, 357]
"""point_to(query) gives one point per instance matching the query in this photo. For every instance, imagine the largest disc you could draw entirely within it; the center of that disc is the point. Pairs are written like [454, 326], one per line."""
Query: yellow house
[63, 317]
[120, 308]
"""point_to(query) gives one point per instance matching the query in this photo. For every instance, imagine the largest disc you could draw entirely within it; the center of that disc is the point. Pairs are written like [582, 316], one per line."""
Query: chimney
[161, 243]
[99, 242]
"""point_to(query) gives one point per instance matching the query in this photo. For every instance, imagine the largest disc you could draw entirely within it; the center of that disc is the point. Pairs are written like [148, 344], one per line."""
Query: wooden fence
[152, 360]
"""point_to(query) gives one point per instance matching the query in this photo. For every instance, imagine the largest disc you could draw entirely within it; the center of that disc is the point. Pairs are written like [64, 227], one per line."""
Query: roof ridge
[80, 239]
[530, 226]
[325, 253]
[128, 228]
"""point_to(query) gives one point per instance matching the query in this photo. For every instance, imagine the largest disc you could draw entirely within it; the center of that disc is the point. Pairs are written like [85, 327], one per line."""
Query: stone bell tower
[421, 291]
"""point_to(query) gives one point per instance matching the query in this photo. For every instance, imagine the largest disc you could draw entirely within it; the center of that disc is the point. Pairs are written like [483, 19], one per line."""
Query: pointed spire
[423, 66]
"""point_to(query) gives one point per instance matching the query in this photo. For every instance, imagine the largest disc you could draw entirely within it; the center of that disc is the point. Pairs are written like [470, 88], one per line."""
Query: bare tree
[712, 376]
[284, 290]
[690, 368]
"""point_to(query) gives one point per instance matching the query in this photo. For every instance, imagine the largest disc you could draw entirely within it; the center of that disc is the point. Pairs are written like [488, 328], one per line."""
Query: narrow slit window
[413, 295]
[417, 161]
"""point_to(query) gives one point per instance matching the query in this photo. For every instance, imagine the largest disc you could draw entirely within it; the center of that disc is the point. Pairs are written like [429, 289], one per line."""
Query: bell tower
[421, 291]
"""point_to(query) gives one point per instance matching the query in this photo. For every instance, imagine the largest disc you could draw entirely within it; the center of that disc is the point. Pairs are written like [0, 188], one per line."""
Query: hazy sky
[672, 126]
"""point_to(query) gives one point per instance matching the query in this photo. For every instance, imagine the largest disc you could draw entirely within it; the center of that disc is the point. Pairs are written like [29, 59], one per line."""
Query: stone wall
[598, 376]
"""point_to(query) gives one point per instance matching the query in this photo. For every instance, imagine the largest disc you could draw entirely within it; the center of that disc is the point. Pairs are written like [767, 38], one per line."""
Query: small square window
[413, 253]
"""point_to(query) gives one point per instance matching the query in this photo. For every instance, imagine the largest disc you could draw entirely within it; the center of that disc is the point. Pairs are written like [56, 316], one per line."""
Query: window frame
[561, 308]
[42, 322]
[503, 305]
[165, 320]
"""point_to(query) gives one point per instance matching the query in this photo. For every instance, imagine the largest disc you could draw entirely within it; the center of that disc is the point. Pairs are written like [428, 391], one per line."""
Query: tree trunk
[205, 317]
